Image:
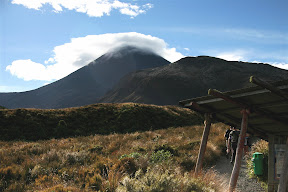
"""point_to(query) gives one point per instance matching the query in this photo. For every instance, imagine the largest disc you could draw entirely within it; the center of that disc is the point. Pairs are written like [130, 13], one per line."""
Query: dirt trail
[244, 184]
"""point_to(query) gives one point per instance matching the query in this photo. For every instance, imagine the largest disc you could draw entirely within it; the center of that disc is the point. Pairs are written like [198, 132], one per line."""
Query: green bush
[165, 147]
[134, 155]
[262, 147]
[160, 156]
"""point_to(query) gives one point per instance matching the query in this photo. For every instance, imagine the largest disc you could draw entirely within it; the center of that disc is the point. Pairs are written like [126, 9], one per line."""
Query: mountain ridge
[130, 74]
[187, 78]
[85, 85]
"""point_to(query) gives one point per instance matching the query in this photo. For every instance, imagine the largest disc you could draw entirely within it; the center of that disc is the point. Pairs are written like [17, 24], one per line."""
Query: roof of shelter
[267, 103]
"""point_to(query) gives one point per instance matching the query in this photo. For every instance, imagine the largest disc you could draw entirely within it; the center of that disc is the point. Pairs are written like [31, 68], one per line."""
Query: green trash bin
[258, 163]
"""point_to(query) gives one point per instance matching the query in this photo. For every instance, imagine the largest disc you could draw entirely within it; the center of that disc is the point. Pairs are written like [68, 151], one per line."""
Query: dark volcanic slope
[86, 85]
[189, 77]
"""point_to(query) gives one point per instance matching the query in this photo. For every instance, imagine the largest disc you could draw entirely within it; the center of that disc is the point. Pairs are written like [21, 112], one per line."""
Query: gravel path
[244, 184]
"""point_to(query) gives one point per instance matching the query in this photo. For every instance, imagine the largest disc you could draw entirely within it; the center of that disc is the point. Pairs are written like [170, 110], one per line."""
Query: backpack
[227, 133]
[234, 135]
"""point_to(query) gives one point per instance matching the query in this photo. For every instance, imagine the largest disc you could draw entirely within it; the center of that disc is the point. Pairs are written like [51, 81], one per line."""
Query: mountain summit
[187, 78]
[130, 74]
[87, 84]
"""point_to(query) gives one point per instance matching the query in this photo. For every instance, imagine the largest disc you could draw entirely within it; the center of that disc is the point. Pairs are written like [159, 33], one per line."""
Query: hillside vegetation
[188, 78]
[35, 124]
[159, 160]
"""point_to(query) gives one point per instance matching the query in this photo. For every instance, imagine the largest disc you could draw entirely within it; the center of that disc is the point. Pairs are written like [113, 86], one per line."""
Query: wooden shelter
[261, 110]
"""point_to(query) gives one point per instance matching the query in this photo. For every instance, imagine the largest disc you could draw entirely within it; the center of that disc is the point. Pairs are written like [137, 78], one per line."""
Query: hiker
[226, 136]
[233, 142]
[247, 143]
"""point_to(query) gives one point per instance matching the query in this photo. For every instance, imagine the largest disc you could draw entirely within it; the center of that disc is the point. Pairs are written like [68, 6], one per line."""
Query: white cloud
[230, 57]
[93, 8]
[249, 56]
[258, 35]
[280, 65]
[186, 49]
[237, 55]
[6, 89]
[29, 70]
[80, 51]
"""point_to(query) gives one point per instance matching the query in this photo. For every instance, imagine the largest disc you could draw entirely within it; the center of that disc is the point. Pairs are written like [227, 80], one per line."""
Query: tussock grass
[37, 124]
[111, 162]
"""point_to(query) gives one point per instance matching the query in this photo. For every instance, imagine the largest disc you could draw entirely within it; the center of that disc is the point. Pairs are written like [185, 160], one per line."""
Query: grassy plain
[157, 159]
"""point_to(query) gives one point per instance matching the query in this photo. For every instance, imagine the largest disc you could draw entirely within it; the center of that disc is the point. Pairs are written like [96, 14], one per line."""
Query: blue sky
[44, 40]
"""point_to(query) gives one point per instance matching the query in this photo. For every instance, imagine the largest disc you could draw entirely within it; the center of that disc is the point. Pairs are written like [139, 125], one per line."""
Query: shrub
[42, 180]
[160, 156]
[262, 147]
[96, 149]
[101, 167]
[36, 171]
[94, 183]
[51, 156]
[75, 158]
[163, 181]
[152, 180]
[126, 165]
[9, 173]
[166, 147]
[134, 155]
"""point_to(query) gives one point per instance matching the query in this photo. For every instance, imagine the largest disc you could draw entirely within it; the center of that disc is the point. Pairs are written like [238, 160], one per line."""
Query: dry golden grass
[97, 162]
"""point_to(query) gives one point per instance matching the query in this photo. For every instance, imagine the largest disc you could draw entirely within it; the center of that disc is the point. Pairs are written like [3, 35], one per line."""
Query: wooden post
[271, 163]
[240, 146]
[207, 125]
[284, 175]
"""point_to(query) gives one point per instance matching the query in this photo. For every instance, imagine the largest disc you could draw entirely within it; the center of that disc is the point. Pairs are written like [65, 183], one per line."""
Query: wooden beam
[284, 175]
[269, 87]
[203, 145]
[240, 147]
[246, 106]
[218, 94]
[271, 163]
[232, 120]
[197, 107]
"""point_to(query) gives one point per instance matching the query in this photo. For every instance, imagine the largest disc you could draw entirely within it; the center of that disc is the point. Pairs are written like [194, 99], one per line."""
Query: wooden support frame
[284, 175]
[203, 145]
[269, 87]
[203, 109]
[271, 163]
[239, 152]
[275, 96]
[245, 106]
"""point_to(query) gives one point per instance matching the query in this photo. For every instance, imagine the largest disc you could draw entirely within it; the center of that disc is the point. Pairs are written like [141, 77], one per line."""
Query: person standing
[233, 142]
[247, 144]
[226, 136]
